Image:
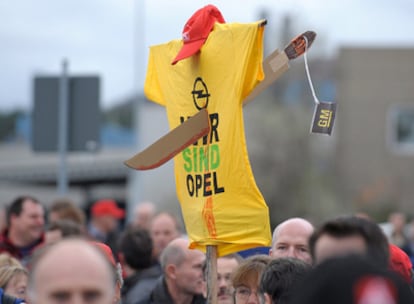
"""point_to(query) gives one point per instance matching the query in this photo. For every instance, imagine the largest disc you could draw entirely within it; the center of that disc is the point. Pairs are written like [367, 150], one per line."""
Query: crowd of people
[59, 255]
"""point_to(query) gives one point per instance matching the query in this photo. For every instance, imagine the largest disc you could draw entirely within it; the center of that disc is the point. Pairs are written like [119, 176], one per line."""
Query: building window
[401, 129]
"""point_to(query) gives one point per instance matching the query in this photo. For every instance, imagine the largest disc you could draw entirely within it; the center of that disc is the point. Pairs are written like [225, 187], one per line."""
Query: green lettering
[214, 157]
[187, 160]
[195, 159]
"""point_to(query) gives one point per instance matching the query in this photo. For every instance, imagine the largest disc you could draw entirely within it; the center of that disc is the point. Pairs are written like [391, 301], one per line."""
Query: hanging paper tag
[324, 117]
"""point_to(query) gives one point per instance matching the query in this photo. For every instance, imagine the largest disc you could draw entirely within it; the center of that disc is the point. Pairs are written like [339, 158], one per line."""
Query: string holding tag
[307, 71]
[324, 113]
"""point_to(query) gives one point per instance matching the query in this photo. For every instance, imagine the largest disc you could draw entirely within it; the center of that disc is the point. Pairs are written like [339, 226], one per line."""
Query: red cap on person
[400, 262]
[106, 250]
[107, 207]
[197, 29]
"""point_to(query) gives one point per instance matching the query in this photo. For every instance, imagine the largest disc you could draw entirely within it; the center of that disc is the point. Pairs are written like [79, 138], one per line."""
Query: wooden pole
[211, 274]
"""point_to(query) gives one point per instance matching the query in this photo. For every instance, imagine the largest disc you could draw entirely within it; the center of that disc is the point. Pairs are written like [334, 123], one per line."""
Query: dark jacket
[22, 254]
[138, 286]
[160, 295]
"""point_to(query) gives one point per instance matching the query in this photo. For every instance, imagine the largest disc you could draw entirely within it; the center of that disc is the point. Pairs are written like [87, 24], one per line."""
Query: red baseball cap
[107, 207]
[106, 250]
[400, 262]
[197, 29]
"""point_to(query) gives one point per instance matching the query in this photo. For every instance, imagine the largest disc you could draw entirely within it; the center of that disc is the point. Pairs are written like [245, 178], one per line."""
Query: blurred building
[375, 127]
[91, 175]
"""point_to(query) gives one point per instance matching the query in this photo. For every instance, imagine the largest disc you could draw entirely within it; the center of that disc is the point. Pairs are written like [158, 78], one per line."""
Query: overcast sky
[111, 37]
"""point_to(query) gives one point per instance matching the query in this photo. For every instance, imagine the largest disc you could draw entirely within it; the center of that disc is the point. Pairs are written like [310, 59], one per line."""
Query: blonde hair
[250, 270]
[7, 260]
[9, 272]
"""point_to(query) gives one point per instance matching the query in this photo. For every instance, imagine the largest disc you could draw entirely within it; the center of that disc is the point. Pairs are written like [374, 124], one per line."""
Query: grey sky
[111, 37]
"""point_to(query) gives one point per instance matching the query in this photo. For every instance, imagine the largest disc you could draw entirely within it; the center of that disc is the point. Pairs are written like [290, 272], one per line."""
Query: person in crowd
[279, 279]
[25, 228]
[290, 239]
[351, 279]
[135, 256]
[66, 209]
[104, 222]
[226, 265]
[62, 228]
[182, 281]
[164, 228]
[349, 235]
[13, 280]
[71, 271]
[7, 261]
[144, 212]
[246, 279]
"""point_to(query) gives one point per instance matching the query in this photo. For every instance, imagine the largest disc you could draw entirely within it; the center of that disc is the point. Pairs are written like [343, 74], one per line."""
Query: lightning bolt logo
[200, 94]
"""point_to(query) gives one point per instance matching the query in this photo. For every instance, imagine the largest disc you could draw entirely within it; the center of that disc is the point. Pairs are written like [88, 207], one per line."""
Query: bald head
[183, 269]
[69, 269]
[175, 252]
[143, 214]
[181, 243]
[164, 229]
[290, 239]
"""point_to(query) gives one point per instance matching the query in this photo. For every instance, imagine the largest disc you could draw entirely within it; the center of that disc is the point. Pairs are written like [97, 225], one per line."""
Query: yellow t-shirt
[220, 201]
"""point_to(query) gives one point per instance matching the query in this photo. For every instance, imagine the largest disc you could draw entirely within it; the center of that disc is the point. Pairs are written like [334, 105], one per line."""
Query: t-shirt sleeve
[251, 58]
[152, 87]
